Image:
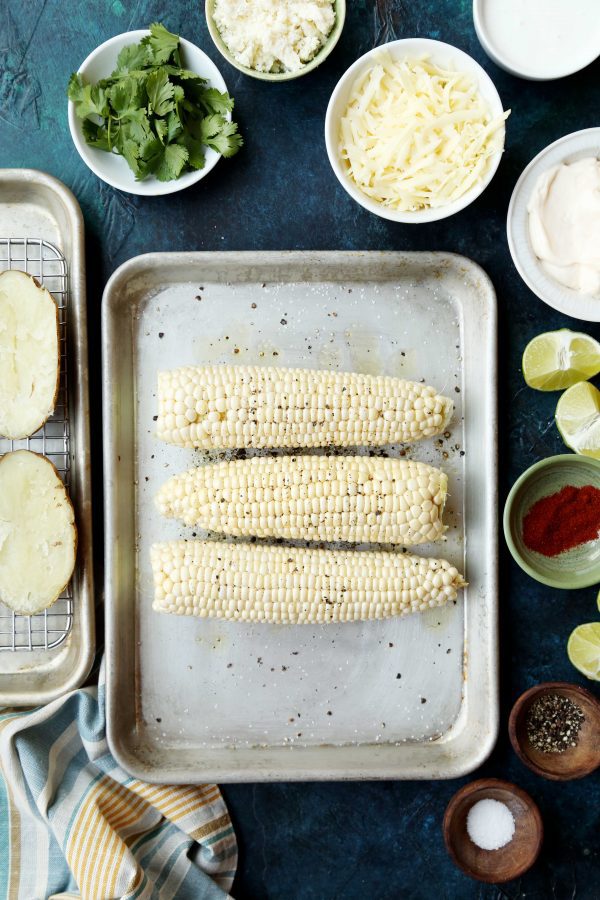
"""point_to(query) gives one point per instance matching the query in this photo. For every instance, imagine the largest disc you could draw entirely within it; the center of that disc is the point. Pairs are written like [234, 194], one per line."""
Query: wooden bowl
[576, 762]
[510, 861]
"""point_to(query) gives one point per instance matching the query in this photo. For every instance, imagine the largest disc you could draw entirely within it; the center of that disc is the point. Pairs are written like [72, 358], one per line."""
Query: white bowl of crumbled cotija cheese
[275, 40]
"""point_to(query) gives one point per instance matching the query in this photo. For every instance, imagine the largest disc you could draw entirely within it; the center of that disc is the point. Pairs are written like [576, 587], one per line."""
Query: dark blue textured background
[367, 840]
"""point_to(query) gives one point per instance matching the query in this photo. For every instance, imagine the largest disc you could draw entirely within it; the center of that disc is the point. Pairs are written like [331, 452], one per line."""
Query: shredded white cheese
[415, 136]
[274, 35]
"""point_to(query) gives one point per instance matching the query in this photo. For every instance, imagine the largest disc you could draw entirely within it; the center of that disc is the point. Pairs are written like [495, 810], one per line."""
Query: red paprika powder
[563, 520]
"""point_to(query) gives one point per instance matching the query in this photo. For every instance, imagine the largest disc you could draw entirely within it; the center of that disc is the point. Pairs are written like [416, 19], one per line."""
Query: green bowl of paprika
[552, 521]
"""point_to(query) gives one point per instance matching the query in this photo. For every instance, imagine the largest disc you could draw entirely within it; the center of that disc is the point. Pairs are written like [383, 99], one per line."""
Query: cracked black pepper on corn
[239, 407]
[322, 498]
[289, 585]
[230, 407]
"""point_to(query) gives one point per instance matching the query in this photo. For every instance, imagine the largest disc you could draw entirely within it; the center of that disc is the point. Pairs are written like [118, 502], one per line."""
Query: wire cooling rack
[43, 260]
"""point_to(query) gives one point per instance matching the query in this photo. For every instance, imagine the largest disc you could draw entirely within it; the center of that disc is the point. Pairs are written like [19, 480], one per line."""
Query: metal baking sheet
[41, 232]
[194, 700]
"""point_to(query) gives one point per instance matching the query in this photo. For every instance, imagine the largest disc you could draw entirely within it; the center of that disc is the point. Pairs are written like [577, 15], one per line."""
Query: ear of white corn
[223, 407]
[316, 498]
[287, 585]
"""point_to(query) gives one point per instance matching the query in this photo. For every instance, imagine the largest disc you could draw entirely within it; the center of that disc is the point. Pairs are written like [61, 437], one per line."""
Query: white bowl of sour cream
[539, 39]
[553, 225]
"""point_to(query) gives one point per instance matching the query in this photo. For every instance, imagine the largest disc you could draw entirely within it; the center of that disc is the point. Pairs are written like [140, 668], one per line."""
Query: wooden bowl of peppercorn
[554, 728]
[552, 521]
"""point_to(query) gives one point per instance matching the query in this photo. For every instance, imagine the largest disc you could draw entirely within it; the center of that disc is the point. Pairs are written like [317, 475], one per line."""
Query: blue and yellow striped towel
[74, 824]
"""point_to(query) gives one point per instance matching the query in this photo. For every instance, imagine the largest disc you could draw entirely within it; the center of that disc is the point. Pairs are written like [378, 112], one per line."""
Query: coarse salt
[274, 35]
[490, 824]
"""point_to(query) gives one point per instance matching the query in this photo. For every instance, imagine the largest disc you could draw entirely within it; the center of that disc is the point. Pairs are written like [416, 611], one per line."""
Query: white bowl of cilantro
[149, 113]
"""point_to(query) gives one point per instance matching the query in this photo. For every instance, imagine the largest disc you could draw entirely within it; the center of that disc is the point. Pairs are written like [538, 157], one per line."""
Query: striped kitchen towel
[74, 824]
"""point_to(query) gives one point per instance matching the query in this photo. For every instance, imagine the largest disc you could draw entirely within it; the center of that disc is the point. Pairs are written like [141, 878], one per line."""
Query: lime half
[583, 649]
[557, 360]
[578, 419]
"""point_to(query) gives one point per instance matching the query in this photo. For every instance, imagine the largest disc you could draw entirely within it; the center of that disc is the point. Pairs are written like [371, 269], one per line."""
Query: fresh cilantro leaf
[160, 43]
[174, 126]
[131, 151]
[97, 104]
[216, 102]
[195, 149]
[89, 99]
[95, 135]
[131, 57]
[161, 128]
[160, 92]
[218, 133]
[191, 108]
[116, 135]
[196, 157]
[227, 141]
[151, 152]
[75, 87]
[173, 160]
[126, 97]
[184, 75]
[209, 126]
[138, 127]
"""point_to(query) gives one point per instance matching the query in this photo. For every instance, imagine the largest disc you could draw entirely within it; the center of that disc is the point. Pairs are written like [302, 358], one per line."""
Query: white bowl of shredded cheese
[275, 40]
[414, 130]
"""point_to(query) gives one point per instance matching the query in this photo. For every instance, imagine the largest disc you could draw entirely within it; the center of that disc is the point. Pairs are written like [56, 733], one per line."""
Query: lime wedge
[598, 600]
[578, 419]
[583, 649]
[556, 360]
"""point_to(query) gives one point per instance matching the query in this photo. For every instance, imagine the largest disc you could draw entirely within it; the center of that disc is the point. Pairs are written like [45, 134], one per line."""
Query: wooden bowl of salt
[493, 830]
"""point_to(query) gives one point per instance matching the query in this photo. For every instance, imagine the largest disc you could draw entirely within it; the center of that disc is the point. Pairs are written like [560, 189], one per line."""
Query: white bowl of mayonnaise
[553, 225]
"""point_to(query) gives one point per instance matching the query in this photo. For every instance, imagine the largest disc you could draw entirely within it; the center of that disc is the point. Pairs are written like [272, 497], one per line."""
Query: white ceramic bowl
[410, 48]
[112, 168]
[567, 149]
[558, 67]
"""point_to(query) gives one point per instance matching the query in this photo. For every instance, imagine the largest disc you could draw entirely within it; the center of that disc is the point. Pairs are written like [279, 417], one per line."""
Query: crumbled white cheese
[274, 35]
[415, 136]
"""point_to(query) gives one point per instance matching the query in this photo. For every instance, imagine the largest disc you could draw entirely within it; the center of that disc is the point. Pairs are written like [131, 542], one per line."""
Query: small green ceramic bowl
[332, 39]
[577, 568]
